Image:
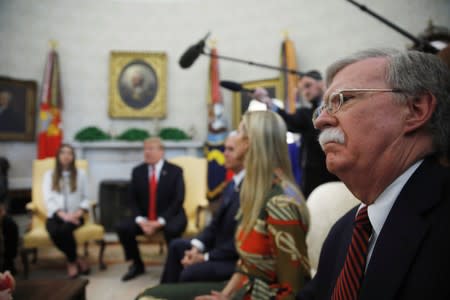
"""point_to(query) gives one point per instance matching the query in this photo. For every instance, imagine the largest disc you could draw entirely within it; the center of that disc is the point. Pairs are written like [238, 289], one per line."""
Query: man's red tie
[152, 195]
[352, 274]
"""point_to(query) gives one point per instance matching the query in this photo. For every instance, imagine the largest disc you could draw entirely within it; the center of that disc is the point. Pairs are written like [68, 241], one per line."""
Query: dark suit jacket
[169, 196]
[218, 236]
[313, 158]
[411, 258]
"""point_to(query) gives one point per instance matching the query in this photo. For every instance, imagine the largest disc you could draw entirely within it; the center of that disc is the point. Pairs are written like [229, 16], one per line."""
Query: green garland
[134, 134]
[170, 133]
[90, 134]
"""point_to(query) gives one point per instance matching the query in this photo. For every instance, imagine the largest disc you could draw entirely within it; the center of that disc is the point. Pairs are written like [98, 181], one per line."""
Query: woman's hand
[72, 218]
[7, 285]
[6, 295]
[214, 296]
[69, 217]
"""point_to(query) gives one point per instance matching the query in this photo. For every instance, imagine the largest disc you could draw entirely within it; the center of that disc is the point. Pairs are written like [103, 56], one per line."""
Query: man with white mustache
[384, 130]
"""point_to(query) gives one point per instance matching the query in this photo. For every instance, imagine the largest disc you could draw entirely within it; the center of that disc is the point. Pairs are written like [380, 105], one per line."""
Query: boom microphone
[234, 86]
[192, 53]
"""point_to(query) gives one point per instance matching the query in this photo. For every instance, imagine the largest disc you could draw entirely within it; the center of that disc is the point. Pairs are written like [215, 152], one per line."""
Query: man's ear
[420, 111]
[242, 150]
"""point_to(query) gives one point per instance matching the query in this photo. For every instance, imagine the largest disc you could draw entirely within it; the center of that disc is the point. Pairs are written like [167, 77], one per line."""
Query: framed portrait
[137, 84]
[242, 99]
[17, 109]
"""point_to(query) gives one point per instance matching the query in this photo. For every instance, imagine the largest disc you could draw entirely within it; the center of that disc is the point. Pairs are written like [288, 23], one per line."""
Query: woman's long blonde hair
[267, 155]
[58, 171]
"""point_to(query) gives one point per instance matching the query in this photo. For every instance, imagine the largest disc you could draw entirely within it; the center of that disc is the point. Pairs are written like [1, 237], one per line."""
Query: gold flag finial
[53, 44]
[212, 43]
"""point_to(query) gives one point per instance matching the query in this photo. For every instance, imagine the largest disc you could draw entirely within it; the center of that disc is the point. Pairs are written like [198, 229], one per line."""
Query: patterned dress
[273, 254]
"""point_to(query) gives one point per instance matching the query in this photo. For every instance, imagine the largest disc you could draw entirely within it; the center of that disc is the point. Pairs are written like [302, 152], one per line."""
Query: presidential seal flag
[50, 127]
[217, 132]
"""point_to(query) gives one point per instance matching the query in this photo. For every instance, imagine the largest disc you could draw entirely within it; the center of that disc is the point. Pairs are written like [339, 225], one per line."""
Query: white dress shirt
[65, 200]
[158, 167]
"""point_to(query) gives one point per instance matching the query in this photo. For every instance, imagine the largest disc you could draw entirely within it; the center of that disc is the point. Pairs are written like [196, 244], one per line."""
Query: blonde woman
[273, 218]
[65, 194]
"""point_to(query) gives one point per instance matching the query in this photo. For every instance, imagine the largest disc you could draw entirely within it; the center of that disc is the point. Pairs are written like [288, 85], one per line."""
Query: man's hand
[150, 227]
[262, 95]
[192, 256]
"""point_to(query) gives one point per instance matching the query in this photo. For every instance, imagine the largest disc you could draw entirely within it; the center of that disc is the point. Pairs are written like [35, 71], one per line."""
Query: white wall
[249, 29]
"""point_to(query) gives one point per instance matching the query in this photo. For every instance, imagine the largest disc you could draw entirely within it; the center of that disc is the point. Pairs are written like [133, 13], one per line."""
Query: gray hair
[415, 73]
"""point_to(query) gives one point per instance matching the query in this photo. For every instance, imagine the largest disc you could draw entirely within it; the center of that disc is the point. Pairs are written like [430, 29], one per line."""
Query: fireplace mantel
[173, 148]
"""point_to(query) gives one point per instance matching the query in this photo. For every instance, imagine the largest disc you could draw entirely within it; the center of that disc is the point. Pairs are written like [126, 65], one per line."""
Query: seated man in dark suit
[384, 125]
[9, 231]
[212, 255]
[156, 198]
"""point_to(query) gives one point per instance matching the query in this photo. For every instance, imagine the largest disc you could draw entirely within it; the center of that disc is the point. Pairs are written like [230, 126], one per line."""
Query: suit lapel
[402, 234]
[162, 181]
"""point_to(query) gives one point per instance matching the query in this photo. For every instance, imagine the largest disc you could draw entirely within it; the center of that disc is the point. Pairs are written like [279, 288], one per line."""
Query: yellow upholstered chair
[37, 236]
[195, 201]
[195, 181]
[326, 203]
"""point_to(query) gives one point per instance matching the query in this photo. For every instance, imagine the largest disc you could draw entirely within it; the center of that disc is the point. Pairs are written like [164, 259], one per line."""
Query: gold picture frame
[17, 109]
[241, 100]
[137, 84]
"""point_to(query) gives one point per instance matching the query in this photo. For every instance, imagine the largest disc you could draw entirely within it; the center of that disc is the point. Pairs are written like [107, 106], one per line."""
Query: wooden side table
[51, 289]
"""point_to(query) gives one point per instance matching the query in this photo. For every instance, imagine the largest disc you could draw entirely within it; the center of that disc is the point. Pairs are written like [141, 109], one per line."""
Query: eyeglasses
[335, 101]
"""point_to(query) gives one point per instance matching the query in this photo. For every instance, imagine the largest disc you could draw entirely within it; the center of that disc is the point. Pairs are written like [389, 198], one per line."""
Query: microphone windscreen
[231, 85]
[188, 57]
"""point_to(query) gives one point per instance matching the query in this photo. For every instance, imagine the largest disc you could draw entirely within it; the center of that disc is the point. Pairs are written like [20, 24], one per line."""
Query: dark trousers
[11, 241]
[127, 230]
[61, 233]
[206, 271]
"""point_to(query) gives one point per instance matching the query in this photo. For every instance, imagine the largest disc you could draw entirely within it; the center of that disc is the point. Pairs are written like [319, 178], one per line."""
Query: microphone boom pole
[425, 45]
[251, 63]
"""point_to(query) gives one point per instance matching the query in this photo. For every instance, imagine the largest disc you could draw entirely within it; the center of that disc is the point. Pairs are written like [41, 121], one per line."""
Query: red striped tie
[352, 274]
[152, 195]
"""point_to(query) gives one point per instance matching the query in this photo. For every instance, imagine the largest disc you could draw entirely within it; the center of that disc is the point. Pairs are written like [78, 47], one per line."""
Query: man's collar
[237, 178]
[158, 166]
[381, 207]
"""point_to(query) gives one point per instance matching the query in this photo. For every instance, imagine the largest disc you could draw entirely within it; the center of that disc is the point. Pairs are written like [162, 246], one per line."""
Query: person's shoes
[133, 271]
[83, 266]
[72, 270]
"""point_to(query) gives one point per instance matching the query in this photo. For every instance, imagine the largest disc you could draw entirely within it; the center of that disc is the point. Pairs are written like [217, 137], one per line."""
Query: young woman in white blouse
[65, 193]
